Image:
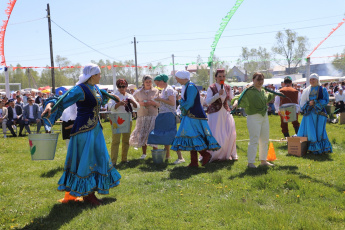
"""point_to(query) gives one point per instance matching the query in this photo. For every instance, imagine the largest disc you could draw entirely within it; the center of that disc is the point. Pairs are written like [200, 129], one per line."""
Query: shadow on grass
[61, 214]
[303, 176]
[261, 171]
[129, 164]
[52, 172]
[315, 157]
[150, 166]
[184, 172]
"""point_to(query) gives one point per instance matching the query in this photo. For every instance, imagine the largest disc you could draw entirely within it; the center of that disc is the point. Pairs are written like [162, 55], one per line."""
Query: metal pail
[158, 155]
[288, 112]
[120, 122]
[43, 145]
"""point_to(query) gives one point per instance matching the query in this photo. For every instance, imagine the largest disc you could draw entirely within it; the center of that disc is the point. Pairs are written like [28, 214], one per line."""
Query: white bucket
[120, 122]
[288, 112]
[158, 155]
[43, 146]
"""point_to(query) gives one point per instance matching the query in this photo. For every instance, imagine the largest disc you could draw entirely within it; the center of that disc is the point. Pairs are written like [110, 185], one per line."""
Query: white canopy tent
[238, 84]
[322, 79]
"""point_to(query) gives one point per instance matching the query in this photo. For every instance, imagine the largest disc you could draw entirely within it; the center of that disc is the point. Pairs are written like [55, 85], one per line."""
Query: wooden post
[51, 51]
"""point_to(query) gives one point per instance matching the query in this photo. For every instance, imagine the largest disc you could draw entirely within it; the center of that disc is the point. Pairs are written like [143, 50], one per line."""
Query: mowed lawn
[298, 193]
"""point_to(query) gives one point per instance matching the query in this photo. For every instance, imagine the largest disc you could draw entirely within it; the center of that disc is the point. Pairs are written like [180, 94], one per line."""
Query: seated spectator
[15, 117]
[3, 117]
[339, 101]
[39, 99]
[32, 115]
[19, 101]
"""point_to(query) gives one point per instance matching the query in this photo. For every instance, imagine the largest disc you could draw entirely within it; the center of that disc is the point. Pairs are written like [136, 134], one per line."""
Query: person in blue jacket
[313, 104]
[88, 167]
[194, 134]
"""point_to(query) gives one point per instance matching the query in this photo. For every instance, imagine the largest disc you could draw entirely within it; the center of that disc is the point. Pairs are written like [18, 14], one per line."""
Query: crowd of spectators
[21, 110]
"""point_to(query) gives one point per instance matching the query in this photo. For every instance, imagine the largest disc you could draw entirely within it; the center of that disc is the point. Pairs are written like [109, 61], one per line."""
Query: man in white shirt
[339, 100]
[32, 115]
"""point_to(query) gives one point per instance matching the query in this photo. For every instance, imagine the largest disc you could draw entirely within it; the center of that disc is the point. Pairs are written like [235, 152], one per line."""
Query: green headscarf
[158, 78]
[164, 78]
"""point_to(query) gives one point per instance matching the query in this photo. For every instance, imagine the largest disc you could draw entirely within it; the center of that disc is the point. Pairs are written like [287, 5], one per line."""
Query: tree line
[289, 50]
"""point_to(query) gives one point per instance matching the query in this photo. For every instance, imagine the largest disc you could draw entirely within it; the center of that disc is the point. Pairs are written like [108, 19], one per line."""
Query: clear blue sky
[109, 26]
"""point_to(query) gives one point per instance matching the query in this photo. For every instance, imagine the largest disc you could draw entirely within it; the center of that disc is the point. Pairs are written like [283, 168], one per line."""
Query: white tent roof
[322, 79]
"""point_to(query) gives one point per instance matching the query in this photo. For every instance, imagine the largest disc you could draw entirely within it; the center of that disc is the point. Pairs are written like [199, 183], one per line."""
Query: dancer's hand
[47, 110]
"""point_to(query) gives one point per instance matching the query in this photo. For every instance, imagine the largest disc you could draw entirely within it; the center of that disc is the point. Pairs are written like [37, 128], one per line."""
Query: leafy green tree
[255, 60]
[292, 48]
[339, 62]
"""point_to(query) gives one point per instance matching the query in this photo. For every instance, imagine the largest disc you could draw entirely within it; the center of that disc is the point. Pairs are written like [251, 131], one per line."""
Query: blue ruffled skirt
[313, 126]
[194, 134]
[88, 167]
[165, 130]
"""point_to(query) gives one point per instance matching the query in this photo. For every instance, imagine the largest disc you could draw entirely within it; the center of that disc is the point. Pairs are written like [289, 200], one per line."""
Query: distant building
[194, 67]
[238, 73]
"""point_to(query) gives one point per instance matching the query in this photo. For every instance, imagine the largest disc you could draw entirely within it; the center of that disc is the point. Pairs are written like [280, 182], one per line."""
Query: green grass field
[298, 193]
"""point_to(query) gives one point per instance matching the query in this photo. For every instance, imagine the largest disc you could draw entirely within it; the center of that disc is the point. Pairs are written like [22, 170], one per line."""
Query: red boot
[92, 199]
[193, 159]
[206, 157]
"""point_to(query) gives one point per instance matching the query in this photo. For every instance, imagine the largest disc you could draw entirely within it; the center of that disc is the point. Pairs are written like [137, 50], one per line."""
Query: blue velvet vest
[87, 112]
[196, 111]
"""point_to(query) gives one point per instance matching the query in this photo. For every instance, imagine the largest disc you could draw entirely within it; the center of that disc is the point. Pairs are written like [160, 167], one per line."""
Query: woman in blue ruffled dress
[194, 134]
[88, 167]
[313, 104]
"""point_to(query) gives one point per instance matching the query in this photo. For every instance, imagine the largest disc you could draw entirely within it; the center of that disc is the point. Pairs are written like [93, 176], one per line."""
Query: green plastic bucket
[43, 146]
[158, 155]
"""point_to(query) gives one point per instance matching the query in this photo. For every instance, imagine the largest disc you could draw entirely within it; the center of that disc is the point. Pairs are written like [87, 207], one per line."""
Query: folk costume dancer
[88, 167]
[313, 104]
[291, 97]
[254, 100]
[220, 120]
[165, 124]
[194, 134]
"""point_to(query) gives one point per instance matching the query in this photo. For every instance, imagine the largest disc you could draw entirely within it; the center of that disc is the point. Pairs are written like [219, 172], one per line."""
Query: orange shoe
[68, 197]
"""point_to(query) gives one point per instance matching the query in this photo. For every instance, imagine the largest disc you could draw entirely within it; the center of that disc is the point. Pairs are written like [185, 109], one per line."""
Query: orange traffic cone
[271, 156]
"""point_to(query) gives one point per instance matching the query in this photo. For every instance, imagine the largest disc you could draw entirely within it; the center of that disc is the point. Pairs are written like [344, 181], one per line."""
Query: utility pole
[51, 50]
[307, 72]
[7, 83]
[211, 73]
[173, 61]
[136, 63]
[113, 70]
[28, 74]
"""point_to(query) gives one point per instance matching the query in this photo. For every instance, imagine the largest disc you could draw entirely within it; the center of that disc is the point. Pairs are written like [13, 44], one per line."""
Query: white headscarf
[183, 74]
[88, 71]
[306, 91]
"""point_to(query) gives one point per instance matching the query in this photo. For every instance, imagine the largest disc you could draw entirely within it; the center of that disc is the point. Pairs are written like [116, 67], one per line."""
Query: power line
[84, 42]
[150, 35]
[16, 23]
[330, 47]
[237, 35]
[157, 60]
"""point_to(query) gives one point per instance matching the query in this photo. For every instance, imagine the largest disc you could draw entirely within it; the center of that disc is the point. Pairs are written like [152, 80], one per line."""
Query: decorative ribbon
[8, 12]
[333, 30]
[224, 23]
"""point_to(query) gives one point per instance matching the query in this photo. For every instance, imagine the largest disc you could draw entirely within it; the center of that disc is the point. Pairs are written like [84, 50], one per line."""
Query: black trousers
[19, 122]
